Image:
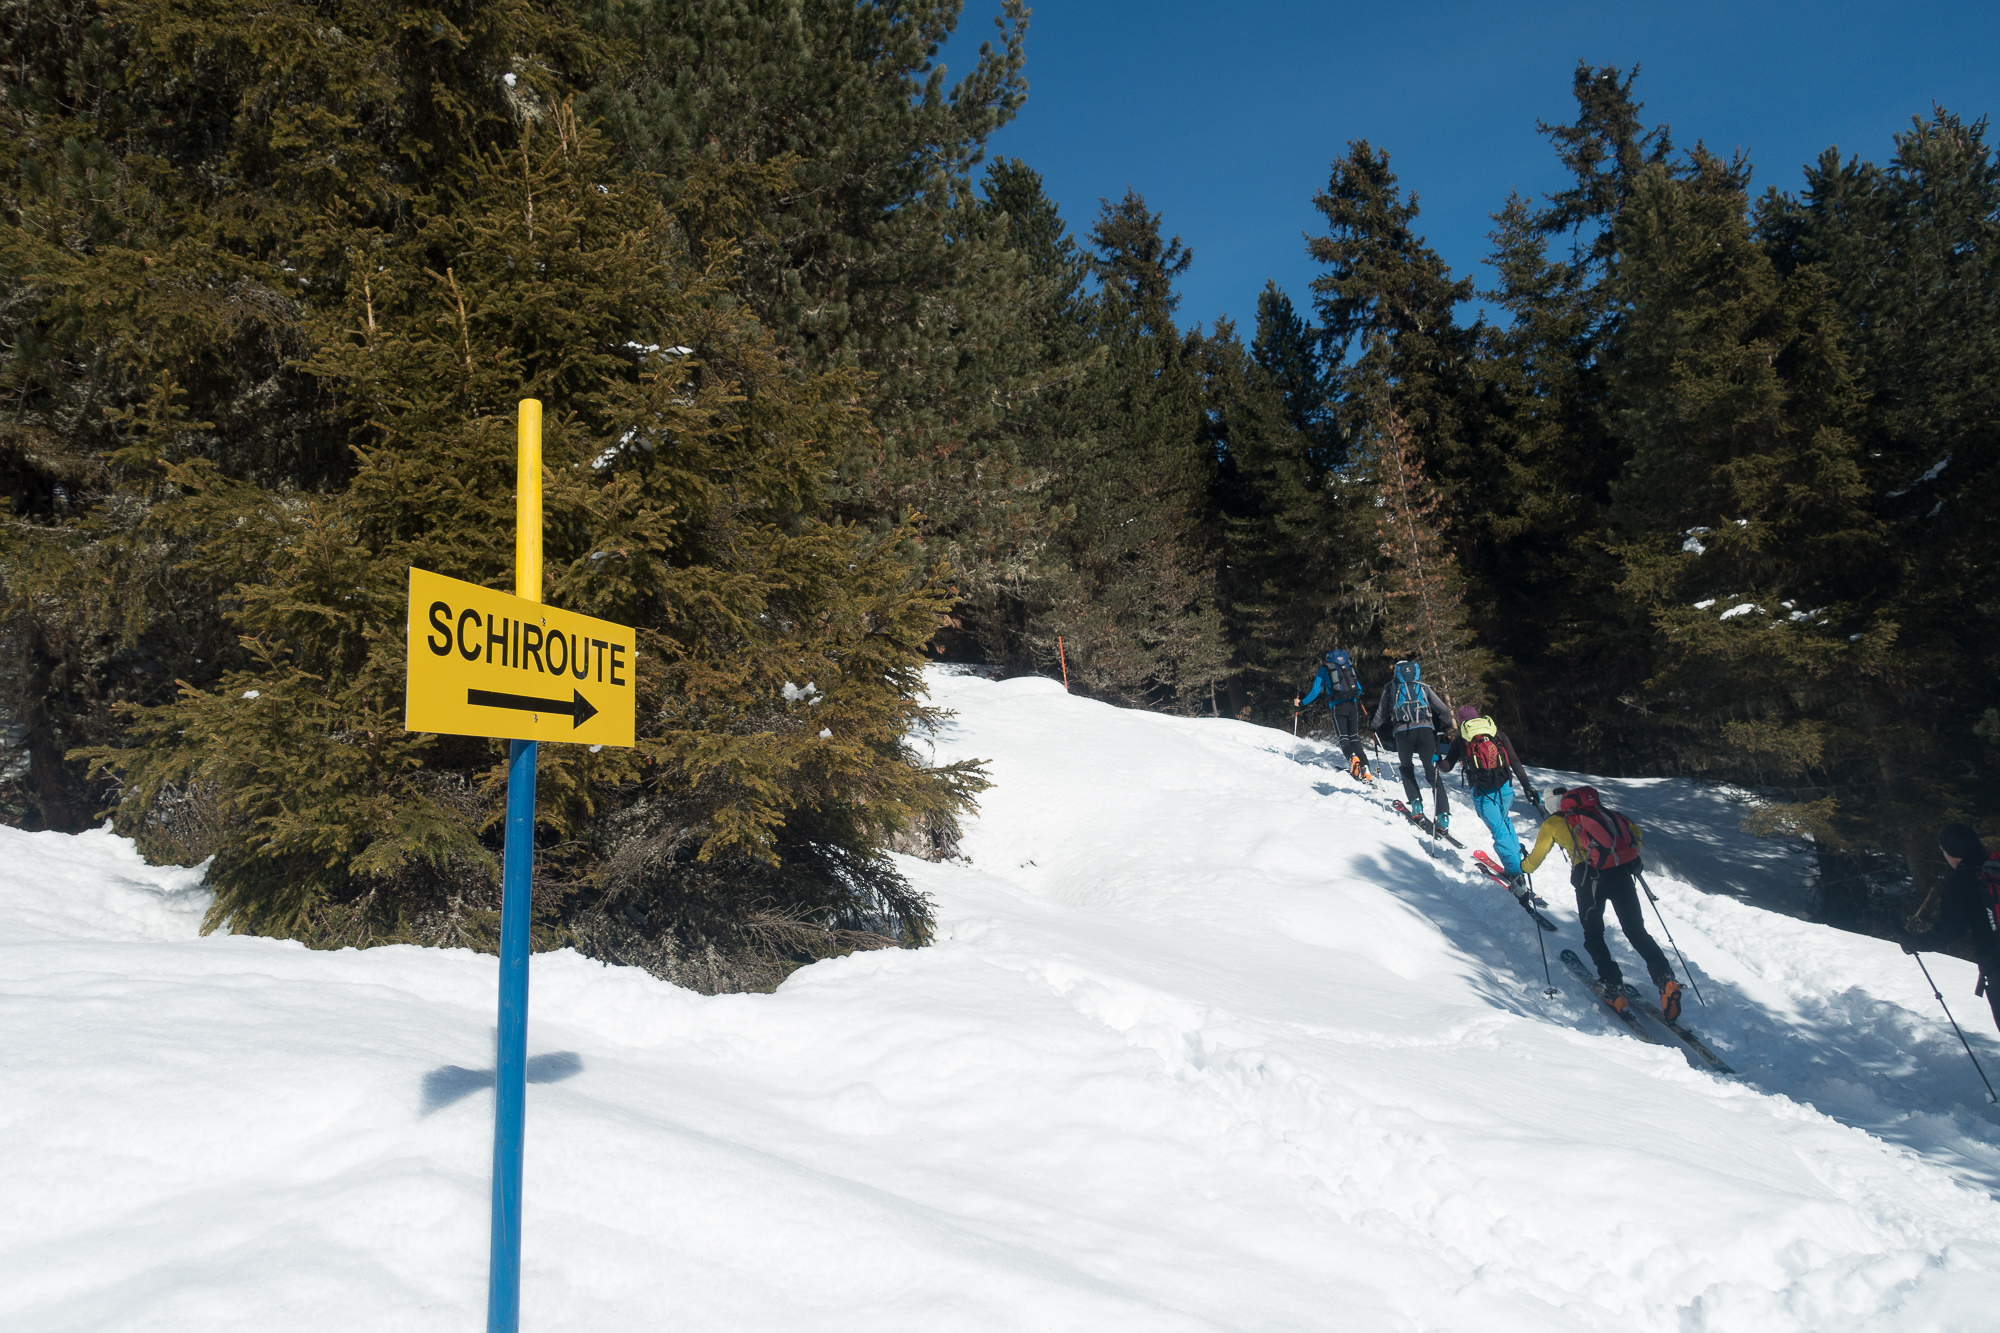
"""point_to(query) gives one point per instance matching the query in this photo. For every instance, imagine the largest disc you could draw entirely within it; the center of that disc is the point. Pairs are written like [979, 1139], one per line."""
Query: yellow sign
[484, 663]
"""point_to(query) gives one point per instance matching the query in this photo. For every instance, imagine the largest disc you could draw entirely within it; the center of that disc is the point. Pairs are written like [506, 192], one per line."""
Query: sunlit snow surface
[1207, 1042]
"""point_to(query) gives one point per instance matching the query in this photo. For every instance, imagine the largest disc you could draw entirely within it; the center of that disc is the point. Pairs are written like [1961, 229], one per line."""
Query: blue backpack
[1411, 708]
[1343, 685]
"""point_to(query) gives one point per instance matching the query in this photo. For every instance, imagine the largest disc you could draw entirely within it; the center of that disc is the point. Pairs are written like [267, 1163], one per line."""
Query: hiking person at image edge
[1410, 718]
[1603, 850]
[1341, 684]
[1491, 764]
[1968, 909]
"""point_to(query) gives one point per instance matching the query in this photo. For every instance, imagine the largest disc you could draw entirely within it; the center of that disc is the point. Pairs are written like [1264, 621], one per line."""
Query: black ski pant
[1347, 728]
[1419, 742]
[1618, 888]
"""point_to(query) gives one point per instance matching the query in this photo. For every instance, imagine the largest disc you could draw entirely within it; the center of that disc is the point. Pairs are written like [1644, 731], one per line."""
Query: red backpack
[1485, 761]
[1603, 836]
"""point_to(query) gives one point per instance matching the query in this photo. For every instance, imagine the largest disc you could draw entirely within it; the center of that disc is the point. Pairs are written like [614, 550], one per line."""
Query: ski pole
[1295, 722]
[1685, 970]
[1547, 980]
[1955, 1028]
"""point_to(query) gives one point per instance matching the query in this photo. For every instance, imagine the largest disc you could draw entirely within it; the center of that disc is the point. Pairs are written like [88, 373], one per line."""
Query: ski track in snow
[1208, 1041]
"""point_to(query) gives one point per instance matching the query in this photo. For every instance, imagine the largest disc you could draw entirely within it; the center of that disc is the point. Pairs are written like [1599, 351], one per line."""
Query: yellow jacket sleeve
[1555, 833]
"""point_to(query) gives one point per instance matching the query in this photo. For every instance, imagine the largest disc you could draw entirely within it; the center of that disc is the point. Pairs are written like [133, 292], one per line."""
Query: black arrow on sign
[579, 710]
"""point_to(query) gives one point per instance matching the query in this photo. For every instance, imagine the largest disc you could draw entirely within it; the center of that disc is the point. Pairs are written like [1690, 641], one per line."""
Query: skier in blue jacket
[1340, 683]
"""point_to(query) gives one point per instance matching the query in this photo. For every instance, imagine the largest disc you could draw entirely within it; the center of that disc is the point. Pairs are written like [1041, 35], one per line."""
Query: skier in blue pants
[1490, 762]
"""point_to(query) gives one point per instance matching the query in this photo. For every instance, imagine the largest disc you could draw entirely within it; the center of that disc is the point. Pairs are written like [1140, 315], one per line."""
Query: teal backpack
[1411, 708]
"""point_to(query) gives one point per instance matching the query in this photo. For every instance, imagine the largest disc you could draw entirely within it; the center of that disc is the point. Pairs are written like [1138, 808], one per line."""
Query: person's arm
[1553, 833]
[1452, 754]
[1382, 709]
[1514, 762]
[1441, 722]
[1319, 682]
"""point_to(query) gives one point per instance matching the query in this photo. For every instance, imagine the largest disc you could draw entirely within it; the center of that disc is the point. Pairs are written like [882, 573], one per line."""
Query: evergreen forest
[831, 392]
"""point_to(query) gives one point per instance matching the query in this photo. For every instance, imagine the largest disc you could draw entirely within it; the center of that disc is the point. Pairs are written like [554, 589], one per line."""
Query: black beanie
[1961, 841]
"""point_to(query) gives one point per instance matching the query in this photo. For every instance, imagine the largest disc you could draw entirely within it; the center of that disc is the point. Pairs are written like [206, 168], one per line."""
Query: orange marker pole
[1065, 661]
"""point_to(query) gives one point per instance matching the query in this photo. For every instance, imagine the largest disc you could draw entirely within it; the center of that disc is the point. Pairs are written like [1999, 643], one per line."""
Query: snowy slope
[1208, 1042]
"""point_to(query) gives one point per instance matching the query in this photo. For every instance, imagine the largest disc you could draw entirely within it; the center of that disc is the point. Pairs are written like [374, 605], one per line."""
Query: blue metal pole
[510, 1084]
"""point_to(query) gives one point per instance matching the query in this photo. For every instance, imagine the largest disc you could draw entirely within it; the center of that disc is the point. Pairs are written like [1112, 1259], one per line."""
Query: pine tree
[1407, 399]
[1908, 252]
[681, 459]
[1605, 149]
[1747, 524]
[822, 141]
[685, 455]
[1543, 576]
[1424, 614]
[1293, 570]
[1134, 594]
[1287, 349]
[1387, 306]
[1041, 412]
[178, 185]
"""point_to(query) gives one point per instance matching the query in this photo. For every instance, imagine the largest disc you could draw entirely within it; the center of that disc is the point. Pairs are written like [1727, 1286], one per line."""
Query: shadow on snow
[1866, 1062]
[451, 1083]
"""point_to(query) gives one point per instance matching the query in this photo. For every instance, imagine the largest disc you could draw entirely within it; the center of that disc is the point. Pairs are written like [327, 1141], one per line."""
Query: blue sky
[1226, 115]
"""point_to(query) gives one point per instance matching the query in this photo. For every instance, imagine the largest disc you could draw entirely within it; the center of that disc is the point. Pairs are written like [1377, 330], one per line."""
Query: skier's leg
[1618, 886]
[1590, 910]
[1347, 726]
[1405, 749]
[1494, 807]
[1426, 740]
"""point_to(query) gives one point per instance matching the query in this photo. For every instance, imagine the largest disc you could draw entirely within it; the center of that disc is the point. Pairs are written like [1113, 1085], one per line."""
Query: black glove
[1908, 945]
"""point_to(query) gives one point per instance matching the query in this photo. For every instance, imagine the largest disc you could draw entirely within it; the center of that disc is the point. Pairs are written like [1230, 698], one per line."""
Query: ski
[1422, 825]
[1492, 867]
[1597, 988]
[1439, 829]
[1694, 1043]
[1494, 873]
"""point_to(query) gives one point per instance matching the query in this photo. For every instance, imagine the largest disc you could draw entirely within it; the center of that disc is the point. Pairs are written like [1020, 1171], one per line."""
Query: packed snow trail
[1207, 1042]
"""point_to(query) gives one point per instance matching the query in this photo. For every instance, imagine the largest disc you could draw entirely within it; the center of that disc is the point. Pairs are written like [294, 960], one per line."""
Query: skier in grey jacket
[1410, 718]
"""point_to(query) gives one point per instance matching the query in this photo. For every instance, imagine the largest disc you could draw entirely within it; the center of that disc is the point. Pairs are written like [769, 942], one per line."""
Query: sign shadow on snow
[451, 1083]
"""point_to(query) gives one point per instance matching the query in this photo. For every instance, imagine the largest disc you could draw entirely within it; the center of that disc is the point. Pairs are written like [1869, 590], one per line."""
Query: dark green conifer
[1294, 561]
[181, 185]
[418, 297]
[1747, 524]
[1910, 253]
[823, 141]
[1133, 590]
[1542, 576]
[1388, 309]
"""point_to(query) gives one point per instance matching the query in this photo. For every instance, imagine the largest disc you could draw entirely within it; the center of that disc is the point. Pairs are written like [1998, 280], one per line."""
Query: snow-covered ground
[1208, 1042]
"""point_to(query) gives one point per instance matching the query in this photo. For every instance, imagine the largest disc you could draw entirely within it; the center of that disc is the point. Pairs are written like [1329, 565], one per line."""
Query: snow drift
[1208, 1041]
